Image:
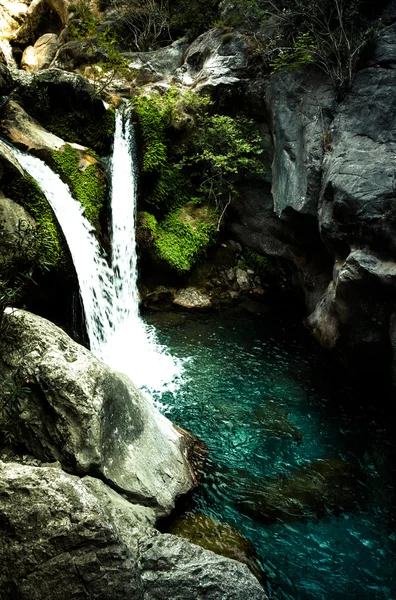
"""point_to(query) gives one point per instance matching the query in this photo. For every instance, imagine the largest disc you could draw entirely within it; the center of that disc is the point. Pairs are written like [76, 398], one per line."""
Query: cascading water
[94, 275]
[117, 334]
[132, 347]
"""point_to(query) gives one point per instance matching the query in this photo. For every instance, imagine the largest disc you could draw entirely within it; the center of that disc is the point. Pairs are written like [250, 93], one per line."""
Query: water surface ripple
[301, 465]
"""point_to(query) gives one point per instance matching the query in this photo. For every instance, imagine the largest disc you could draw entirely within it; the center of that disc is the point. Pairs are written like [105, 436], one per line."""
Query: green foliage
[301, 53]
[180, 240]
[191, 159]
[226, 38]
[180, 244]
[152, 125]
[211, 151]
[83, 25]
[82, 21]
[12, 396]
[262, 265]
[157, 116]
[192, 17]
[28, 194]
[87, 186]
[95, 133]
[221, 149]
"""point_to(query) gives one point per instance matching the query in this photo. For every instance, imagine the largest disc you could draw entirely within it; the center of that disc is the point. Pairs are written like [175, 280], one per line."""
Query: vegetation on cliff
[87, 184]
[191, 158]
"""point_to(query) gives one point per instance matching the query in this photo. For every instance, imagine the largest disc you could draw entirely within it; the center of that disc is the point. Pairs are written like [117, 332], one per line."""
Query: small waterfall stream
[95, 278]
[117, 334]
[132, 348]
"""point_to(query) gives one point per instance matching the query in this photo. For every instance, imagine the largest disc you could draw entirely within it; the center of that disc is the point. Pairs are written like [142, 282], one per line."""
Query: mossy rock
[68, 106]
[220, 538]
[26, 192]
[85, 179]
[318, 489]
[183, 236]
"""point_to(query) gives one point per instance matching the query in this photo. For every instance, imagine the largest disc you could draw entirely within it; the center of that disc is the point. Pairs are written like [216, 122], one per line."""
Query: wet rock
[301, 105]
[66, 104]
[219, 538]
[25, 132]
[91, 419]
[318, 489]
[174, 568]
[40, 55]
[242, 279]
[6, 83]
[191, 298]
[56, 541]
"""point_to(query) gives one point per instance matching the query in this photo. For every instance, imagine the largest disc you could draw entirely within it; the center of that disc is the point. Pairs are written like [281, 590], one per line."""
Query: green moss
[96, 134]
[28, 194]
[148, 221]
[262, 265]
[87, 186]
[181, 243]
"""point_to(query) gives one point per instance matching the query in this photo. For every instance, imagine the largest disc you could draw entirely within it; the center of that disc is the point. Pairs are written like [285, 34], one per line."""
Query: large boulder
[37, 18]
[25, 132]
[40, 55]
[65, 537]
[174, 568]
[157, 65]
[57, 541]
[91, 419]
[67, 105]
[215, 63]
[301, 106]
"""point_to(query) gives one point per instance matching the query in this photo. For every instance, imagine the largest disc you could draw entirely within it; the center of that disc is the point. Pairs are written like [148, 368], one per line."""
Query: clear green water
[269, 406]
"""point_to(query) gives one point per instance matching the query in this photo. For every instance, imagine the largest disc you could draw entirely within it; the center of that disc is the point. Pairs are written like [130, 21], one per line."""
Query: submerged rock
[274, 422]
[175, 569]
[91, 419]
[220, 538]
[317, 489]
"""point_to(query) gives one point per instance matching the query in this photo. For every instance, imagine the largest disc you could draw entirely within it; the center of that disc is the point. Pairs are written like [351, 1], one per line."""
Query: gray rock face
[211, 63]
[91, 419]
[158, 65]
[301, 105]
[65, 537]
[174, 568]
[56, 542]
[356, 216]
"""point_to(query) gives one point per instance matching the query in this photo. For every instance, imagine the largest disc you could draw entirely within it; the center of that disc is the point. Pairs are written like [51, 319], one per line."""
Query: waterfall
[133, 347]
[117, 334]
[94, 276]
[6, 49]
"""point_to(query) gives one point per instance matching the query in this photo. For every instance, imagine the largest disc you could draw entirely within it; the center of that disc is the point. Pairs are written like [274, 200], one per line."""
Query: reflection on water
[296, 464]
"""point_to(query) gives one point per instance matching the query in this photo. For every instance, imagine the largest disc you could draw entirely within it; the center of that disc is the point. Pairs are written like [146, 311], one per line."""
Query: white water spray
[133, 347]
[117, 334]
